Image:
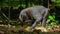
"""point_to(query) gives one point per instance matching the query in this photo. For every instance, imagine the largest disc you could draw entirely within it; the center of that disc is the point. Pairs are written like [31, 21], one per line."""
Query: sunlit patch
[43, 29]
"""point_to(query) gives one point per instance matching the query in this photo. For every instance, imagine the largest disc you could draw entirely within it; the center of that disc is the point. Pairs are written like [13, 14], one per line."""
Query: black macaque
[38, 13]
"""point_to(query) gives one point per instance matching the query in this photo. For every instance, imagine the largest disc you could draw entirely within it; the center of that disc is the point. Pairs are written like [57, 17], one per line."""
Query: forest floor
[5, 29]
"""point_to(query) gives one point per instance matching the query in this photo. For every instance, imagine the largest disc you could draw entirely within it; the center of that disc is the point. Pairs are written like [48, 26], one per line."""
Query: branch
[5, 15]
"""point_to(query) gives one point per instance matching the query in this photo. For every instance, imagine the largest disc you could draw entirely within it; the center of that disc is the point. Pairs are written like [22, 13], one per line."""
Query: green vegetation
[53, 18]
[17, 3]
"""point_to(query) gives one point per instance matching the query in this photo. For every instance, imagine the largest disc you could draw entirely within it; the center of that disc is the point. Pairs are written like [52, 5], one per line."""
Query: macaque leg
[34, 24]
[44, 19]
[44, 22]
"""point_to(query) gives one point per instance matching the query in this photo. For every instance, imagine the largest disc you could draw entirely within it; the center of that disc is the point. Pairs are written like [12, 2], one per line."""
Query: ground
[5, 29]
